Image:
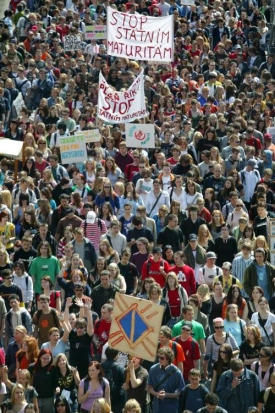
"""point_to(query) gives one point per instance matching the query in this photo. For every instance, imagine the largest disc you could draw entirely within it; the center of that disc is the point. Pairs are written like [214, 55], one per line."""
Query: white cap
[91, 216]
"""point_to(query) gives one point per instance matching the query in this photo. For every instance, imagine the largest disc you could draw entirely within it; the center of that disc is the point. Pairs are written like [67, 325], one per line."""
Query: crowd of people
[186, 225]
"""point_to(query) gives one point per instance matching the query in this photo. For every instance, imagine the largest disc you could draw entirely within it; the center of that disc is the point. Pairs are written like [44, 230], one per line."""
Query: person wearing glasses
[132, 168]
[214, 342]
[238, 388]
[165, 382]
[8, 287]
[222, 364]
[69, 122]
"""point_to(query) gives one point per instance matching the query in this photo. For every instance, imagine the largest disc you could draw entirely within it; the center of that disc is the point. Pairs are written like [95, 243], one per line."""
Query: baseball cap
[252, 162]
[91, 216]
[157, 250]
[193, 237]
[226, 265]
[210, 255]
[186, 325]
[69, 211]
[267, 136]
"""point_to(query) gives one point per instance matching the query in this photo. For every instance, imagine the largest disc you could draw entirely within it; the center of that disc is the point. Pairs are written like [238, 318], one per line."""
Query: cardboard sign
[73, 149]
[96, 32]
[72, 43]
[92, 135]
[11, 148]
[140, 37]
[135, 326]
[121, 107]
[140, 136]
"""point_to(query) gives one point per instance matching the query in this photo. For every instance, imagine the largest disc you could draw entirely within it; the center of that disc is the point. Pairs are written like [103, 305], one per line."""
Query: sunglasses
[219, 327]
[161, 357]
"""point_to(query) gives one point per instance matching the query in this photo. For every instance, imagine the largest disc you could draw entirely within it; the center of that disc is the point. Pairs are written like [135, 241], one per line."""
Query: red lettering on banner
[128, 20]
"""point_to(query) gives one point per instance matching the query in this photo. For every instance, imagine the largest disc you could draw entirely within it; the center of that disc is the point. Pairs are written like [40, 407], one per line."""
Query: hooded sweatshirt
[25, 283]
[118, 242]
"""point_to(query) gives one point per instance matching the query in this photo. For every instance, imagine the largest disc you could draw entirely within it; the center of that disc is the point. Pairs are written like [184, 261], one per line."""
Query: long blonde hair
[17, 386]
[200, 233]
[6, 198]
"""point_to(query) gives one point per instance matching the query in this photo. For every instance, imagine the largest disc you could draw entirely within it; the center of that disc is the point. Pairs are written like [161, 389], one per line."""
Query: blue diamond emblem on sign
[133, 325]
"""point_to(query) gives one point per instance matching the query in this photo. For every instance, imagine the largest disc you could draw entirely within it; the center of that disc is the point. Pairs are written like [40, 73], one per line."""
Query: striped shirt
[239, 264]
[94, 231]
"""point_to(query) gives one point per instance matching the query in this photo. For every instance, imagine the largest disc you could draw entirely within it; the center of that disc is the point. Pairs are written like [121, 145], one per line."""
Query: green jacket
[251, 278]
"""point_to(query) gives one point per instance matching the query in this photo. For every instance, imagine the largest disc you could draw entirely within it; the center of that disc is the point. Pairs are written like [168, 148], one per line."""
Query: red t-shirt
[180, 357]
[130, 171]
[174, 302]
[102, 330]
[41, 166]
[255, 142]
[53, 297]
[186, 278]
[152, 270]
[191, 352]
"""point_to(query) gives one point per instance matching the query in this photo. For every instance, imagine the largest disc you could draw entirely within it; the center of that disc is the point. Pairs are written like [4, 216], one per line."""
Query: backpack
[271, 369]
[99, 223]
[86, 385]
[193, 344]
[217, 271]
[19, 87]
[174, 348]
[203, 392]
[243, 175]
[149, 265]
[53, 313]
[234, 280]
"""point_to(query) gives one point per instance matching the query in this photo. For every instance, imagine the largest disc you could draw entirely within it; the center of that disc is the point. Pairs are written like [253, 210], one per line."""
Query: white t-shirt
[207, 274]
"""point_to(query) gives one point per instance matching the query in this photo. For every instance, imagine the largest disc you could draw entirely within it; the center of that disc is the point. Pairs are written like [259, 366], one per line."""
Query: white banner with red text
[121, 107]
[140, 37]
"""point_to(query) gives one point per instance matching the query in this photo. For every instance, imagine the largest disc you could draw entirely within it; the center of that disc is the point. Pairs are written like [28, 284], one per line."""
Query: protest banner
[96, 32]
[140, 37]
[92, 135]
[140, 136]
[72, 42]
[118, 107]
[17, 105]
[135, 326]
[187, 2]
[271, 131]
[73, 149]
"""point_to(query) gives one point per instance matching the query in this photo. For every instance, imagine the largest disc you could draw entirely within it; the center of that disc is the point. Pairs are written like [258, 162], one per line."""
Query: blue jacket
[242, 396]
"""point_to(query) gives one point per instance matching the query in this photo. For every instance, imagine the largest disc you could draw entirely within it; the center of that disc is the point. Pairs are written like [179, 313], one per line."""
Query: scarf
[200, 256]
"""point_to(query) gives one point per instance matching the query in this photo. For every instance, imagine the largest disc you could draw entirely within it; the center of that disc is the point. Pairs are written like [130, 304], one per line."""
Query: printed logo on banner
[96, 32]
[118, 107]
[140, 136]
[72, 42]
[140, 37]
